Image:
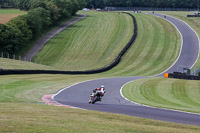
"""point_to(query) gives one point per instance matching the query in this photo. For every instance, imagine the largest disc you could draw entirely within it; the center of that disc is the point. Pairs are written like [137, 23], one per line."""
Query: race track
[78, 95]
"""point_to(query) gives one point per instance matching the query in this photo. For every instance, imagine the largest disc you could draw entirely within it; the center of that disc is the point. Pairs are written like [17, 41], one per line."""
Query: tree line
[144, 3]
[41, 14]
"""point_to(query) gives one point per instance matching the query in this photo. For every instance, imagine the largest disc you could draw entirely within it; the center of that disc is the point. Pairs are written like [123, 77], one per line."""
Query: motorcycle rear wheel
[95, 100]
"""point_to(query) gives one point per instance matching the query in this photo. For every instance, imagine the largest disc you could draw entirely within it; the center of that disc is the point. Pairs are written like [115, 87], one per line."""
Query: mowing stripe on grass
[91, 45]
[194, 23]
[93, 71]
[156, 39]
[165, 93]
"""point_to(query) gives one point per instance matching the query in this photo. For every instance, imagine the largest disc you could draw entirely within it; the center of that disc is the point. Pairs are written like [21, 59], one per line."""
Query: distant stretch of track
[78, 95]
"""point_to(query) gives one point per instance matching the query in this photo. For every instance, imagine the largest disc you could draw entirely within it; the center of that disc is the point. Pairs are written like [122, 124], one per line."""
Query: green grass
[90, 43]
[30, 88]
[82, 48]
[11, 11]
[155, 49]
[16, 64]
[165, 93]
[26, 118]
[18, 114]
[44, 33]
[17, 90]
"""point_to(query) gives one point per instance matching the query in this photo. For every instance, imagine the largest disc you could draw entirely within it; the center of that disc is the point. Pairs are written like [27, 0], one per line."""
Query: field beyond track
[8, 14]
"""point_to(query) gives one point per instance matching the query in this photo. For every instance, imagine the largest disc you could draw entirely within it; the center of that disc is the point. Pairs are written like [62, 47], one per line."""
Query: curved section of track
[190, 45]
[78, 95]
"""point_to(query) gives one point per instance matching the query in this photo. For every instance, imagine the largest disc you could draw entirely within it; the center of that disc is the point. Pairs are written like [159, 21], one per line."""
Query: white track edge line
[134, 76]
[194, 32]
[163, 72]
[180, 48]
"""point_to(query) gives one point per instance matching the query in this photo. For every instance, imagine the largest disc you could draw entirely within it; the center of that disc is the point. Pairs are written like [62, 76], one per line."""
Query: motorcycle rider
[100, 90]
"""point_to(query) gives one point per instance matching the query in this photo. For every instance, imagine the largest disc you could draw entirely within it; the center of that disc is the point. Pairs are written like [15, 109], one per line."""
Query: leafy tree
[81, 3]
[65, 7]
[9, 39]
[38, 20]
[22, 26]
[53, 9]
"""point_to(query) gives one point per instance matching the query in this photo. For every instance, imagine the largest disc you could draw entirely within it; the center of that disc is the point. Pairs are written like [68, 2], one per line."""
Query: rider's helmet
[102, 86]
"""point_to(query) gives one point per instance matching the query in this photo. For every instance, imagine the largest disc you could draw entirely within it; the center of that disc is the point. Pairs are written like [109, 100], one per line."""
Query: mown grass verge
[30, 88]
[89, 44]
[165, 93]
[26, 118]
[155, 49]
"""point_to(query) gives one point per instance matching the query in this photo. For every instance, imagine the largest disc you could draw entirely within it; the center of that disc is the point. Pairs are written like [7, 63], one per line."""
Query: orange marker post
[166, 75]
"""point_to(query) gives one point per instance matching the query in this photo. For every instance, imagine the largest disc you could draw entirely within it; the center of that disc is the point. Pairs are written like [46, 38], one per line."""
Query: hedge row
[103, 69]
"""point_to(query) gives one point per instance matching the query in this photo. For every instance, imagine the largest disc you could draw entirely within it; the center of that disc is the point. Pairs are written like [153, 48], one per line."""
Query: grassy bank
[90, 43]
[95, 41]
[165, 93]
[155, 49]
[26, 118]
[16, 64]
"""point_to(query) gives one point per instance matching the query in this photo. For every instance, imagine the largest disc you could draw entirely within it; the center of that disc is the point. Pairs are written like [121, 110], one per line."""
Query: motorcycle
[95, 97]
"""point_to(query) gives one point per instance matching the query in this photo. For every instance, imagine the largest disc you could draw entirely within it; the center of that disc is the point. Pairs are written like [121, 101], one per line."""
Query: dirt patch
[4, 18]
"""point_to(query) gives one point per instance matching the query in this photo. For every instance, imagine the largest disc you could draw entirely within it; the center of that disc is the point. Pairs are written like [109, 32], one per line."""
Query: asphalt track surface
[113, 102]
